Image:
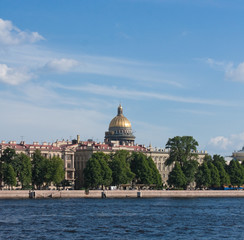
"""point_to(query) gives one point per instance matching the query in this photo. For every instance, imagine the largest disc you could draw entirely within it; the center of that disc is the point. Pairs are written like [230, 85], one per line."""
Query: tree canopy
[181, 149]
[177, 178]
[97, 171]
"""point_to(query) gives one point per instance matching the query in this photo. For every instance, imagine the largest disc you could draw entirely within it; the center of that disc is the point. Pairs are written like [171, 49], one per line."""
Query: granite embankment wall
[24, 194]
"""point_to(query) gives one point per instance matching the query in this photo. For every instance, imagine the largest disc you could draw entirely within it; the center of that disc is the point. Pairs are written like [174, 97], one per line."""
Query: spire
[120, 110]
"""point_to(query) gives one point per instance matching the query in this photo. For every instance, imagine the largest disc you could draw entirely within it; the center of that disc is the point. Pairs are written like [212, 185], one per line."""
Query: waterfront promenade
[24, 194]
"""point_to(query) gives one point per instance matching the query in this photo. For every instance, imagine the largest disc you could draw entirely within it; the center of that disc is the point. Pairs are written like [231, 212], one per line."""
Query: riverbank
[37, 194]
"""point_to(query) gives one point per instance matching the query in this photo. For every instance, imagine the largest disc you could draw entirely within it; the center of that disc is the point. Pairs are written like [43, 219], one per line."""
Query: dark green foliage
[144, 169]
[219, 159]
[203, 176]
[55, 170]
[215, 179]
[177, 178]
[181, 149]
[97, 171]
[155, 175]
[121, 171]
[39, 169]
[208, 158]
[189, 169]
[223, 175]
[236, 173]
[9, 175]
[24, 172]
[8, 155]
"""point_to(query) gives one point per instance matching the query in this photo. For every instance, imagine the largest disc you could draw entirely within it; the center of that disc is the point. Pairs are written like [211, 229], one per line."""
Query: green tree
[155, 175]
[97, 171]
[189, 169]
[39, 169]
[24, 170]
[9, 175]
[8, 155]
[181, 149]
[144, 169]
[203, 176]
[214, 173]
[236, 173]
[223, 175]
[121, 171]
[54, 171]
[219, 159]
[177, 177]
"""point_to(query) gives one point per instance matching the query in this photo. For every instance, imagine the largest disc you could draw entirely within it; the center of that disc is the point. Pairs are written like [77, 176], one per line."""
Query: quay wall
[38, 194]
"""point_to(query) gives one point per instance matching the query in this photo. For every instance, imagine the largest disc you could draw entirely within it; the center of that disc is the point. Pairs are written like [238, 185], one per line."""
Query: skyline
[176, 67]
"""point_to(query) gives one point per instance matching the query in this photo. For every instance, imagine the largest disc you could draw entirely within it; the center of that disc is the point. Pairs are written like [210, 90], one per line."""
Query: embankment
[24, 194]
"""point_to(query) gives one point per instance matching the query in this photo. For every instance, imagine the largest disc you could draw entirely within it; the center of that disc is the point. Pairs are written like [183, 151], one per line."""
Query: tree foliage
[9, 175]
[214, 175]
[144, 169]
[236, 173]
[177, 177]
[97, 171]
[121, 172]
[181, 149]
[24, 172]
[203, 176]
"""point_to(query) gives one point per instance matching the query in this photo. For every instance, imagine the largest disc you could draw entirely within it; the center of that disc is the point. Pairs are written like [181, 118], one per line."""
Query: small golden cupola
[120, 130]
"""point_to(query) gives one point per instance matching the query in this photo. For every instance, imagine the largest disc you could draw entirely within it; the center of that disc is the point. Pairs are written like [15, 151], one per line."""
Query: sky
[176, 66]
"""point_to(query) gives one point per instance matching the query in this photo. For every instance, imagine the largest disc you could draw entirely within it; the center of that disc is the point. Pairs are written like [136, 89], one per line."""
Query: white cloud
[235, 74]
[11, 35]
[61, 65]
[131, 94]
[220, 142]
[13, 76]
[226, 145]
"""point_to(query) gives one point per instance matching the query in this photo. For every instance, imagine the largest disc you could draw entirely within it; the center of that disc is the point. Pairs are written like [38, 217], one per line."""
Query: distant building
[239, 155]
[62, 149]
[75, 154]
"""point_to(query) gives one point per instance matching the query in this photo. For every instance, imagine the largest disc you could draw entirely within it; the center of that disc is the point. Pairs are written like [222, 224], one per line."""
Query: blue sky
[176, 66]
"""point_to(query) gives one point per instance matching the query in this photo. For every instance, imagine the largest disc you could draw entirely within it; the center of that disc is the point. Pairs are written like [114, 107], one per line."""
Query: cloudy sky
[176, 66]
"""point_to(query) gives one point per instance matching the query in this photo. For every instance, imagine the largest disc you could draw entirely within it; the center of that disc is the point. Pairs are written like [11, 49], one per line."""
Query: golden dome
[120, 120]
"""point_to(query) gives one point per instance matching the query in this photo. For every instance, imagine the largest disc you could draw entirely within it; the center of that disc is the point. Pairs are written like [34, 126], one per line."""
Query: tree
[144, 169]
[39, 169]
[97, 171]
[155, 175]
[55, 171]
[219, 159]
[203, 176]
[214, 173]
[7, 157]
[223, 175]
[189, 169]
[9, 175]
[181, 149]
[177, 177]
[24, 170]
[236, 173]
[121, 171]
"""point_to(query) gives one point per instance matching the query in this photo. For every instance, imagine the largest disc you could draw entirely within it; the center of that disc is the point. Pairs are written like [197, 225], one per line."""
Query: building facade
[62, 149]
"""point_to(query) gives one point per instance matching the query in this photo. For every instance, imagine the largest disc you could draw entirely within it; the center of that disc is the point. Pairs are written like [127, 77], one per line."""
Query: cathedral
[76, 153]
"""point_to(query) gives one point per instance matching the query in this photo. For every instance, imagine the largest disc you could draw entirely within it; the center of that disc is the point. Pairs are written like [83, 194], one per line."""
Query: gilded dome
[120, 120]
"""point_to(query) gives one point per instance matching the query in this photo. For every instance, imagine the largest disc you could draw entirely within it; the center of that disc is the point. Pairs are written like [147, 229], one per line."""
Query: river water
[155, 218]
